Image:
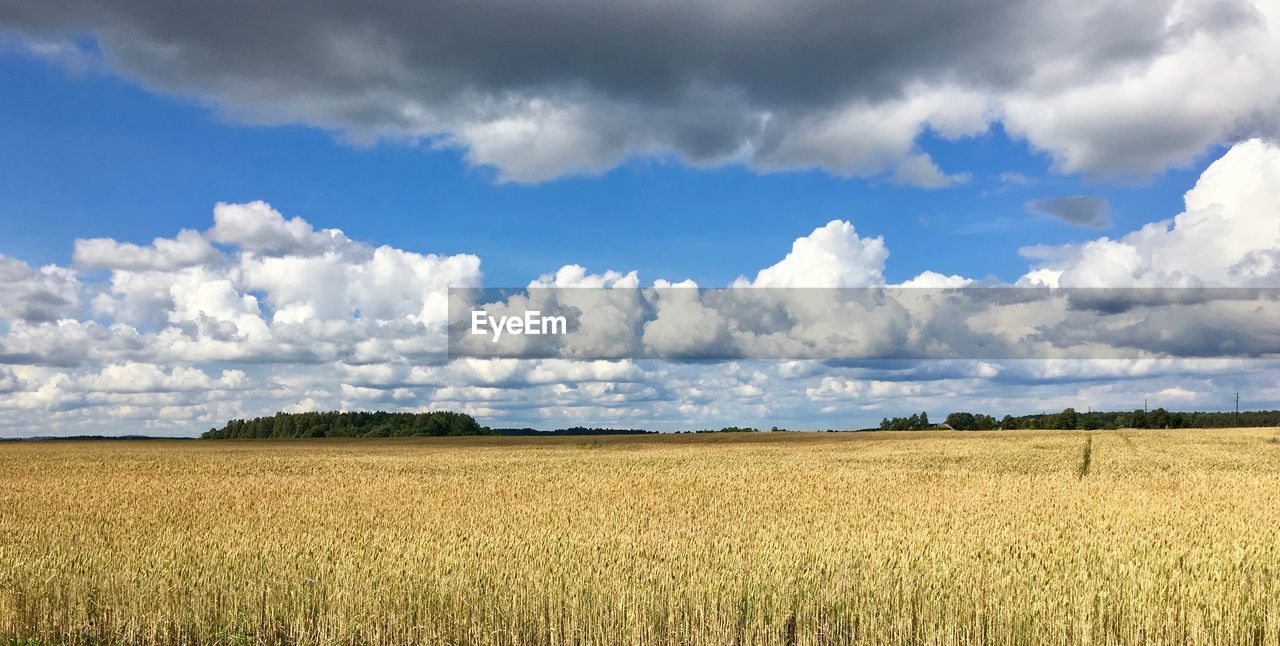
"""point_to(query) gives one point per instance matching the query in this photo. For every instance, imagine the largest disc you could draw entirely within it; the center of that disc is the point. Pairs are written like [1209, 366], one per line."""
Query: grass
[782, 538]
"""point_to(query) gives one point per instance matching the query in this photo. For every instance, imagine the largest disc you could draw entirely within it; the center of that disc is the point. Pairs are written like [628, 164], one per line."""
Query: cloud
[834, 388]
[36, 295]
[1226, 236]
[64, 52]
[284, 292]
[1176, 393]
[1014, 178]
[258, 228]
[150, 378]
[542, 90]
[925, 319]
[919, 170]
[1081, 210]
[188, 249]
[934, 280]
[831, 256]
[1218, 58]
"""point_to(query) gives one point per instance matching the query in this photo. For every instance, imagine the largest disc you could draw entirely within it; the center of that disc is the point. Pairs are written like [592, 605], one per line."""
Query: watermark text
[531, 323]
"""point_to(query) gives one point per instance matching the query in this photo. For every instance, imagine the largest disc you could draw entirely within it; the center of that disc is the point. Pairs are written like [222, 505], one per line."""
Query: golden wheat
[1006, 537]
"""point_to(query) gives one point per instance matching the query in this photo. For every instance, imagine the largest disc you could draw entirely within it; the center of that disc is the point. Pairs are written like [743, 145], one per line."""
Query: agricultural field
[771, 538]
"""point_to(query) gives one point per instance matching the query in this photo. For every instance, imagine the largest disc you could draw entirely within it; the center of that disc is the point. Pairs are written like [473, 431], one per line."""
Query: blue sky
[171, 184]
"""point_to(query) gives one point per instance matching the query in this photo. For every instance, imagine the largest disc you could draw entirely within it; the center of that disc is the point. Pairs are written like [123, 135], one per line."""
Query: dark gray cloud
[542, 89]
[808, 52]
[1081, 210]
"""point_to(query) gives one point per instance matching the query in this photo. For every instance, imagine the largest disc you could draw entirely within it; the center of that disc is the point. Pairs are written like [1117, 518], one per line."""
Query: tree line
[574, 430]
[383, 424]
[729, 429]
[916, 422]
[349, 424]
[1071, 419]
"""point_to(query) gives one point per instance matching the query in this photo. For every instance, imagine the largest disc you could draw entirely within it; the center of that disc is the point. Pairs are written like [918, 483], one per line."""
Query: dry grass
[770, 539]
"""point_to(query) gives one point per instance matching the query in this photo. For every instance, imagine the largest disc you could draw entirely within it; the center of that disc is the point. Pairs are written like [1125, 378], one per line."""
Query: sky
[242, 208]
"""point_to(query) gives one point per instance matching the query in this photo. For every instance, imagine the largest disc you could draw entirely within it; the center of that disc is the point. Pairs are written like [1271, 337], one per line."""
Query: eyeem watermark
[532, 323]
[899, 323]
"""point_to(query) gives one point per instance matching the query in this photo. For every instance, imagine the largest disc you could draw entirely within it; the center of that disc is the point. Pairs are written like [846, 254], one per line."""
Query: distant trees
[916, 422]
[574, 430]
[1160, 418]
[1137, 419]
[1071, 419]
[971, 422]
[1067, 419]
[352, 424]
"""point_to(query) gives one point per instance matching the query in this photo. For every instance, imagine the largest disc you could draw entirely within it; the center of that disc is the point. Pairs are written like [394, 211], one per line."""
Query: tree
[1160, 418]
[1009, 423]
[1138, 419]
[962, 421]
[916, 422]
[1068, 418]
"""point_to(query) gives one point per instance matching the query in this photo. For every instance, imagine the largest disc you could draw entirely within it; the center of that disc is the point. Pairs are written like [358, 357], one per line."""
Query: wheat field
[772, 538]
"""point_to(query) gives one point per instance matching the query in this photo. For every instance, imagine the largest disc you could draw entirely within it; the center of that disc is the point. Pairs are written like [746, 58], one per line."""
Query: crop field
[773, 538]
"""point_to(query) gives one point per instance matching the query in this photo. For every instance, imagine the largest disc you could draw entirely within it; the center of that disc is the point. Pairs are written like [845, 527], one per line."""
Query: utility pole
[1237, 409]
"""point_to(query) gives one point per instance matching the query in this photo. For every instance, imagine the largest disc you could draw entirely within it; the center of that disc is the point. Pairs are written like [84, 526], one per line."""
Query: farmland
[770, 538]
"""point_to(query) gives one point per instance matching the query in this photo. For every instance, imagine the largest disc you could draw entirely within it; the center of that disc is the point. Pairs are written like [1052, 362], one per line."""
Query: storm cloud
[539, 90]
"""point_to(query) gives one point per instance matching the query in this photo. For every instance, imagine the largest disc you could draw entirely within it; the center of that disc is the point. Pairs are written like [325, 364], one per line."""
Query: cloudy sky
[243, 207]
